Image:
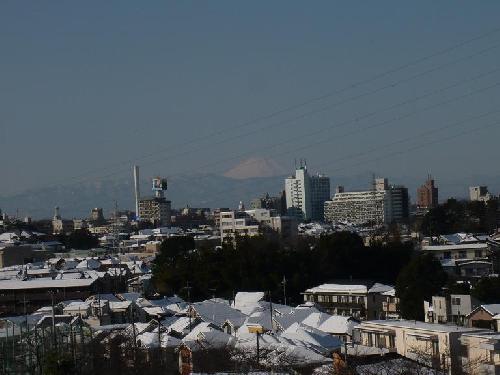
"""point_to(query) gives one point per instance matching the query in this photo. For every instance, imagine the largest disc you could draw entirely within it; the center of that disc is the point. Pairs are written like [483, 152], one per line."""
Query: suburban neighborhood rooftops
[421, 325]
[338, 288]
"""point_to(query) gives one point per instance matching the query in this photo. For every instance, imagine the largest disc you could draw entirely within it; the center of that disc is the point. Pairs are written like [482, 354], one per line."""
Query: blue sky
[89, 88]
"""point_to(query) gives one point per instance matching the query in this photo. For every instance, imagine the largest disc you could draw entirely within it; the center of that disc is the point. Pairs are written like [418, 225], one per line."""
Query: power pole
[188, 288]
[271, 308]
[284, 289]
[54, 340]
[258, 349]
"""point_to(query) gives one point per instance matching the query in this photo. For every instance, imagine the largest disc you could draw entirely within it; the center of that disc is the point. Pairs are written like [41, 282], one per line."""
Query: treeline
[261, 263]
[461, 216]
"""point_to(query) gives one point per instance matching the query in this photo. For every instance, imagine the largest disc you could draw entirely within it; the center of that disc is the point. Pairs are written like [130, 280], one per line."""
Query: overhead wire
[324, 96]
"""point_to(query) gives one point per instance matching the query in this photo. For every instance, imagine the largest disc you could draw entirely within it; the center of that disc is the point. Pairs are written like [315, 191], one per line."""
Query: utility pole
[188, 288]
[159, 338]
[284, 289]
[54, 340]
[258, 349]
[271, 308]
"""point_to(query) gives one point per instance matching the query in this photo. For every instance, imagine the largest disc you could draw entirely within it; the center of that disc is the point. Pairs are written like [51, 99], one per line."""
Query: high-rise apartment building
[306, 195]
[383, 204]
[359, 207]
[427, 195]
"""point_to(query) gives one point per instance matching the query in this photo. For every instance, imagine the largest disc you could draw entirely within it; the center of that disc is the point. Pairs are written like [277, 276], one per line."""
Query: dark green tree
[417, 282]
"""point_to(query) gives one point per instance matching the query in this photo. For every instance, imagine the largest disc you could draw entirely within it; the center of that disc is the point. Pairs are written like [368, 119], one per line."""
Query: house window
[455, 301]
[478, 253]
[462, 254]
[447, 255]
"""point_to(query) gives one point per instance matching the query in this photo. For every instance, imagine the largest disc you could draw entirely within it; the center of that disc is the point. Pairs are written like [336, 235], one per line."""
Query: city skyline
[194, 98]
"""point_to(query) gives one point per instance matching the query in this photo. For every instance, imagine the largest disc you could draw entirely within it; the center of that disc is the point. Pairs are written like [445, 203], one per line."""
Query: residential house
[484, 316]
[363, 300]
[435, 345]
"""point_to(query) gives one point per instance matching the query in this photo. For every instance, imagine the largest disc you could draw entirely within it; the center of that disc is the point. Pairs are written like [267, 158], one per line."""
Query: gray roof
[420, 325]
[218, 313]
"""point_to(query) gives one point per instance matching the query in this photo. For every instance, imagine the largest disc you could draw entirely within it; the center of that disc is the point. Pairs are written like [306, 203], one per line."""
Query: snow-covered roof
[332, 324]
[91, 264]
[247, 302]
[44, 283]
[313, 336]
[454, 247]
[338, 288]
[380, 288]
[218, 313]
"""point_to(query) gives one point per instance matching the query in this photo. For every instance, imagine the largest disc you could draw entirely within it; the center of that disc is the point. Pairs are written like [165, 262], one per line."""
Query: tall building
[157, 209]
[479, 193]
[60, 226]
[360, 207]
[383, 204]
[306, 195]
[427, 194]
[320, 193]
[400, 203]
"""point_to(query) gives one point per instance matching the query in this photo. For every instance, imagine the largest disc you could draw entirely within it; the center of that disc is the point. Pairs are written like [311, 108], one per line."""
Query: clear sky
[88, 88]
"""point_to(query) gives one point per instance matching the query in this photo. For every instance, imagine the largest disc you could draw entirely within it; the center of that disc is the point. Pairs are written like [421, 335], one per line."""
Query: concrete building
[255, 222]
[480, 353]
[479, 193]
[362, 301]
[427, 195]
[157, 209]
[383, 204]
[400, 203]
[60, 226]
[359, 207]
[454, 308]
[435, 345]
[306, 195]
[237, 223]
[459, 251]
[271, 203]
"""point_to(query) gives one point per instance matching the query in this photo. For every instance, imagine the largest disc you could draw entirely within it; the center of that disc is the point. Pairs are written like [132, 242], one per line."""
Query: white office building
[306, 195]
[479, 193]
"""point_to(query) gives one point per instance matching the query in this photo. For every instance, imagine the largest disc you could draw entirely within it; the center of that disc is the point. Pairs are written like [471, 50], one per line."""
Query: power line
[359, 118]
[382, 123]
[311, 112]
[321, 97]
[483, 115]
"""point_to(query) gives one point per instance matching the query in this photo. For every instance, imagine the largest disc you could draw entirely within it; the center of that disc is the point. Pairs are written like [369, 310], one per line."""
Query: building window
[478, 253]
[455, 301]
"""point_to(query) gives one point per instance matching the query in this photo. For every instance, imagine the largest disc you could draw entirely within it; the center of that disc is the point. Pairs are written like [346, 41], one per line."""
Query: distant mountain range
[196, 190]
